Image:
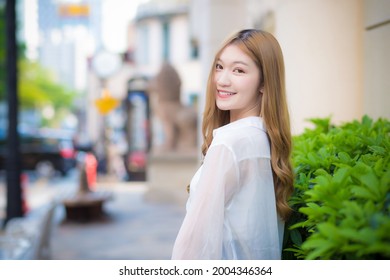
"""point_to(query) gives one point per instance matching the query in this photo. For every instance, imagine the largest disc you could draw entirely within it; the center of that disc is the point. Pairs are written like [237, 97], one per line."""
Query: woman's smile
[225, 94]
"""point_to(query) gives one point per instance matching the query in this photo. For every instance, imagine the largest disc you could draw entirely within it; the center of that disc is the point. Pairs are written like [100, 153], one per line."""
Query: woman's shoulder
[246, 138]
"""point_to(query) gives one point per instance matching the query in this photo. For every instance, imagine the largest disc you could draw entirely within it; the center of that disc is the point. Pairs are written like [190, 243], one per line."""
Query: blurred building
[163, 35]
[68, 33]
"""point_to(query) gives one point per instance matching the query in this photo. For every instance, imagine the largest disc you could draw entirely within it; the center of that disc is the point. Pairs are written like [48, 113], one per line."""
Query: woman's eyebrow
[235, 62]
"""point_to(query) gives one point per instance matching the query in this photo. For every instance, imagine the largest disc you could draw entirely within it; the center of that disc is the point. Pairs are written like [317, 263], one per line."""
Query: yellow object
[74, 10]
[106, 103]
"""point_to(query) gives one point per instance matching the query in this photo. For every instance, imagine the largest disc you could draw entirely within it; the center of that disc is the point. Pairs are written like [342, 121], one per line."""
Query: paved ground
[133, 228]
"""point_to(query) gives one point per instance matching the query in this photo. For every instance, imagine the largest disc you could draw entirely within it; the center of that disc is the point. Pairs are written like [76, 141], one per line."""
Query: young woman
[238, 197]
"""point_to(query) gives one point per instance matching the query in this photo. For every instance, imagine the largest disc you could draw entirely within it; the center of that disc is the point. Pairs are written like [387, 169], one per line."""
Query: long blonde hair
[265, 51]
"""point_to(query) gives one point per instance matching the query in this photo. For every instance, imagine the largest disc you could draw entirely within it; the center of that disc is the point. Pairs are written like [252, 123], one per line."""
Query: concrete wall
[377, 58]
[323, 48]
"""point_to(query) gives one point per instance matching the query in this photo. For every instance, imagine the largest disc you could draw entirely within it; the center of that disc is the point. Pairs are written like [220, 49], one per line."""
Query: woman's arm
[201, 234]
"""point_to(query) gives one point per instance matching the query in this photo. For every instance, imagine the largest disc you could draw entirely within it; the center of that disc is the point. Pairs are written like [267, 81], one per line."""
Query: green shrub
[341, 200]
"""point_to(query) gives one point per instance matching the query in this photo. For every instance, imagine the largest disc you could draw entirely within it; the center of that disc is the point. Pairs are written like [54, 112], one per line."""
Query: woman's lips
[225, 94]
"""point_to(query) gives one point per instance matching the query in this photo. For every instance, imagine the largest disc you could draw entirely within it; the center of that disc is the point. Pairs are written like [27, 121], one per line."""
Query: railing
[29, 237]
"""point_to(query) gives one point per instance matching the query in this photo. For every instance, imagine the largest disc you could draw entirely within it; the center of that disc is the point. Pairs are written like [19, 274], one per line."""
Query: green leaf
[318, 248]
[328, 230]
[363, 192]
[377, 150]
[348, 233]
[344, 157]
[341, 175]
[296, 237]
[365, 174]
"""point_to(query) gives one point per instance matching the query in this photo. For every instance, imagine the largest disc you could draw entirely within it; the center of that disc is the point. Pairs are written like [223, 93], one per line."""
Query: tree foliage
[37, 88]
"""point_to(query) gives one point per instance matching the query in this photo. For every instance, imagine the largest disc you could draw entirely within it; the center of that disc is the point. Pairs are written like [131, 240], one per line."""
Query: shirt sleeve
[201, 234]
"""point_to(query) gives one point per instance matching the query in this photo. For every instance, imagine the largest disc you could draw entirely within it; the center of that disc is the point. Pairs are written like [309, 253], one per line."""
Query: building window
[194, 49]
[144, 45]
[166, 41]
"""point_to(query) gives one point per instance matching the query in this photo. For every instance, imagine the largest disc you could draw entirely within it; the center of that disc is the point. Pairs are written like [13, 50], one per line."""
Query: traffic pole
[13, 166]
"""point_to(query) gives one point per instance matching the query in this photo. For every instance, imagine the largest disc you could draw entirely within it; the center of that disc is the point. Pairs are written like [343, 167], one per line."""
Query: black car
[43, 154]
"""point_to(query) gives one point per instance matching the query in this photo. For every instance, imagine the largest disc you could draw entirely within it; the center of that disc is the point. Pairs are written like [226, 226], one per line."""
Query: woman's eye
[218, 66]
[239, 71]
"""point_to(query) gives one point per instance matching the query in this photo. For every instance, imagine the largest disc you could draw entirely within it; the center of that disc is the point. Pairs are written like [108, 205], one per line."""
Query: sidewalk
[132, 229]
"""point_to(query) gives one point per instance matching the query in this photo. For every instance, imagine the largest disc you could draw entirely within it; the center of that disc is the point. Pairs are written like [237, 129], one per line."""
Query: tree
[38, 88]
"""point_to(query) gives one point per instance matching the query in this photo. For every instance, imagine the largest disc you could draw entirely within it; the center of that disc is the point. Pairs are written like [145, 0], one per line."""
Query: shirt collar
[244, 122]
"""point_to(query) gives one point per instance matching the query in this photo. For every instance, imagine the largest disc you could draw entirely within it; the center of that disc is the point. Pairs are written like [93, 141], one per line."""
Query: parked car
[43, 154]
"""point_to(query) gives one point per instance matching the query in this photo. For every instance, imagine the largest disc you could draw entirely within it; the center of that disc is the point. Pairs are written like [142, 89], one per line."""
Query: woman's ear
[260, 96]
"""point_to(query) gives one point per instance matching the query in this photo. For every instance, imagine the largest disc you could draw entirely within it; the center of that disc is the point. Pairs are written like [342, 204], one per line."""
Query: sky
[117, 15]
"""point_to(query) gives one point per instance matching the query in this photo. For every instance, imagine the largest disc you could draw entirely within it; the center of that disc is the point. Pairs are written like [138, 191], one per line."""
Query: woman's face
[237, 80]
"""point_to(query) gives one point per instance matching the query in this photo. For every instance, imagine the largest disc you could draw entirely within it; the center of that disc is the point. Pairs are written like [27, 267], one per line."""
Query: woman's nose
[223, 78]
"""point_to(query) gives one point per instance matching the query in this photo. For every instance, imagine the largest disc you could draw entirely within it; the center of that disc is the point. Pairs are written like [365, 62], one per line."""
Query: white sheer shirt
[231, 211]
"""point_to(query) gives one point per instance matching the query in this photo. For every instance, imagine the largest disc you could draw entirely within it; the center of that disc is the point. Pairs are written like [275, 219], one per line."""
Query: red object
[138, 159]
[67, 153]
[91, 170]
[23, 185]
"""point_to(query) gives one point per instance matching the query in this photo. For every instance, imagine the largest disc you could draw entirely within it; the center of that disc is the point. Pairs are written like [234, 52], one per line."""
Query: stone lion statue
[179, 122]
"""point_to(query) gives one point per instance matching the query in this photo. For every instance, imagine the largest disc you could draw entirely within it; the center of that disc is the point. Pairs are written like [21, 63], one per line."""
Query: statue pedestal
[168, 175]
